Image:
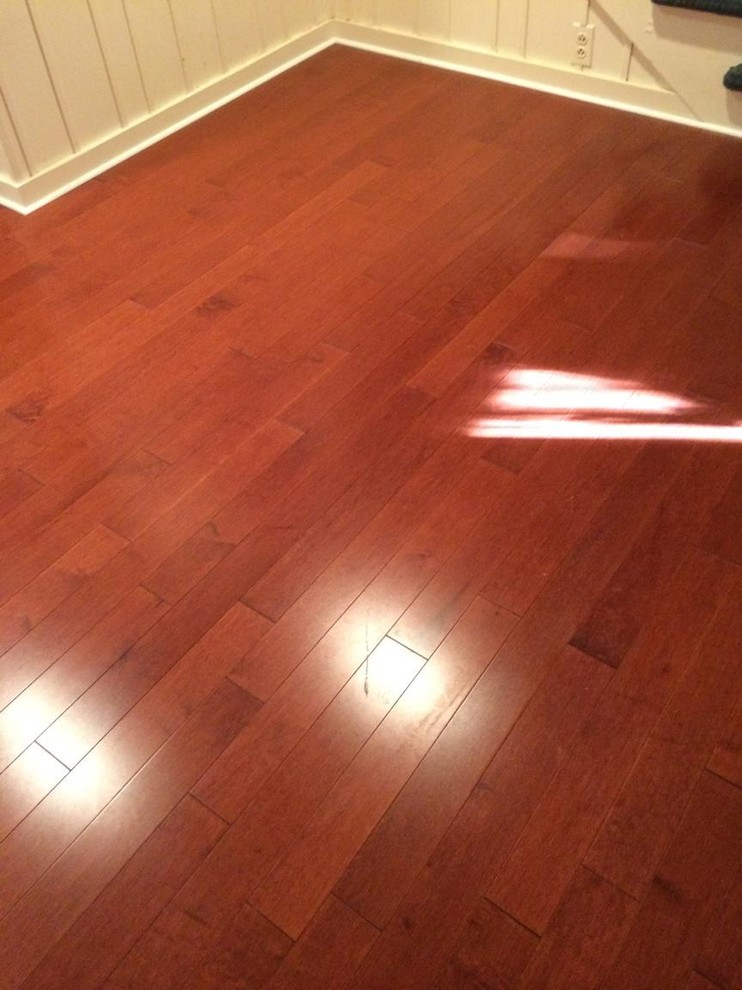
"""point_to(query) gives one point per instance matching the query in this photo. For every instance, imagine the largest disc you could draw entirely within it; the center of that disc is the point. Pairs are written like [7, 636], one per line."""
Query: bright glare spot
[39, 768]
[25, 717]
[24, 720]
[626, 400]
[575, 429]
[538, 393]
[389, 670]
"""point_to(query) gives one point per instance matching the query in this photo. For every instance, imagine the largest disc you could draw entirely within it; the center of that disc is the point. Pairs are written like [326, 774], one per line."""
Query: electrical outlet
[582, 53]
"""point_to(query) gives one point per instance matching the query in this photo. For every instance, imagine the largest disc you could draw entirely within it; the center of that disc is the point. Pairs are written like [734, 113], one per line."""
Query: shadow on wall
[695, 28]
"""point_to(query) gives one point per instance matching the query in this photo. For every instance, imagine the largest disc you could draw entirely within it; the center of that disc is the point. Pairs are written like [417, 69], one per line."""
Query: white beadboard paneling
[551, 79]
[15, 166]
[270, 19]
[298, 16]
[6, 169]
[115, 61]
[198, 41]
[434, 19]
[239, 33]
[343, 9]
[688, 49]
[78, 71]
[156, 46]
[397, 15]
[35, 192]
[512, 23]
[364, 12]
[115, 41]
[474, 23]
[28, 91]
[611, 47]
[550, 39]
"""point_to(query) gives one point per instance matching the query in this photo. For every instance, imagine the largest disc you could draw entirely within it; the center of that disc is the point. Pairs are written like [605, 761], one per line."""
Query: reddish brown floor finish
[371, 528]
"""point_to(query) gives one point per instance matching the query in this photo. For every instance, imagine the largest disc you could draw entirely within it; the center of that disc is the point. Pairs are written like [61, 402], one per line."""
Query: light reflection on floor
[541, 404]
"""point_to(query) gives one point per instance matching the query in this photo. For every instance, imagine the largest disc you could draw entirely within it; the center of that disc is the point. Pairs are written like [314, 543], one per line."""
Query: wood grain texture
[302, 684]
[688, 892]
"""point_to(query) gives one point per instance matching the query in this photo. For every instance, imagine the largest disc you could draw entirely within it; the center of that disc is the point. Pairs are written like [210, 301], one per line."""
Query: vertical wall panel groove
[78, 72]
[153, 35]
[28, 90]
[238, 30]
[15, 164]
[106, 64]
[114, 37]
[512, 22]
[474, 23]
[271, 26]
[396, 16]
[434, 19]
[195, 31]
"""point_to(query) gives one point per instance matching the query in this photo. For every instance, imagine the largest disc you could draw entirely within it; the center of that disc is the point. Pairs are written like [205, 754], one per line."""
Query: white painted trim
[612, 93]
[10, 197]
[28, 195]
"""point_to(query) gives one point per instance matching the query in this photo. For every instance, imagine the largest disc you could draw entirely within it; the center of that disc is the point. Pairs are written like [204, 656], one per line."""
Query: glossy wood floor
[303, 685]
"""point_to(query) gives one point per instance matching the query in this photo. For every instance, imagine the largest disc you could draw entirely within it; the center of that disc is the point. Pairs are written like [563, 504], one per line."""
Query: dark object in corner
[731, 7]
[733, 78]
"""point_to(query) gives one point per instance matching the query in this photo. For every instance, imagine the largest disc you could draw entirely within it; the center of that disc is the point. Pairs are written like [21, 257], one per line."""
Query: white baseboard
[30, 194]
[10, 196]
[583, 86]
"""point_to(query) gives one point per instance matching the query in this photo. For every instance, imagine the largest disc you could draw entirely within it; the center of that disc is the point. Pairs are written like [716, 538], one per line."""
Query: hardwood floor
[331, 658]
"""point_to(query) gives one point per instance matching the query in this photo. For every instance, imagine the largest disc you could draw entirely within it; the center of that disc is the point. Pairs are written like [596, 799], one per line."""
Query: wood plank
[26, 609]
[27, 780]
[530, 885]
[373, 564]
[276, 591]
[492, 950]
[423, 932]
[328, 952]
[629, 845]
[614, 621]
[16, 488]
[721, 535]
[584, 936]
[247, 954]
[698, 982]
[301, 881]
[93, 600]
[81, 506]
[105, 932]
[726, 760]
[88, 719]
[688, 891]
[34, 710]
[56, 822]
[398, 848]
[277, 816]
[50, 907]
[721, 957]
[269, 391]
